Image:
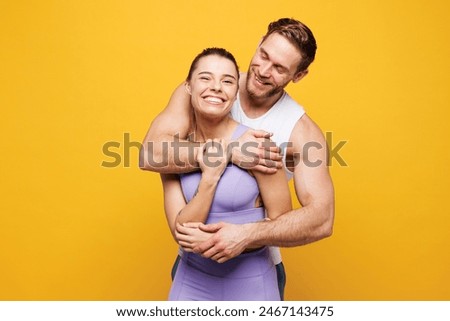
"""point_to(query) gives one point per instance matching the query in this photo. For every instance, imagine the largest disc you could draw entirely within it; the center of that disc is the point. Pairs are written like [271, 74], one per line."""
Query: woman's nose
[216, 85]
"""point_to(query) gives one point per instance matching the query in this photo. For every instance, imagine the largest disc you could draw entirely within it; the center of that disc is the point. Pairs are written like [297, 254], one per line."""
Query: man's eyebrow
[210, 73]
[275, 64]
[263, 51]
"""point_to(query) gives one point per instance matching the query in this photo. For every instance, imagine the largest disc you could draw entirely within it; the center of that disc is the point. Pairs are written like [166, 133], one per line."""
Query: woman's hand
[213, 158]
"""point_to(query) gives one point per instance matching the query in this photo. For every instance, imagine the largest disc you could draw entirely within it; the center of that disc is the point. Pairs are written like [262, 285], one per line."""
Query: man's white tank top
[279, 120]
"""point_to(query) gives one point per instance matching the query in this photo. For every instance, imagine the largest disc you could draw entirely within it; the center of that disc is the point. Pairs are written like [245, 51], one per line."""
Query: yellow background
[77, 74]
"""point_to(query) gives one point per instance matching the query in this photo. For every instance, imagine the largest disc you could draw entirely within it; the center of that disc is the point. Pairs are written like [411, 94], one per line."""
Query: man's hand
[227, 242]
[253, 150]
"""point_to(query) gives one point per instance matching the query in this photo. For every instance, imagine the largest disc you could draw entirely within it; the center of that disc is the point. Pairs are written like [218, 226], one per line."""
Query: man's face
[273, 66]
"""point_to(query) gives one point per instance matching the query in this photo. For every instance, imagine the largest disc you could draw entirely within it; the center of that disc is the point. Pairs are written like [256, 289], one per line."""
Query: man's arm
[314, 190]
[312, 222]
[166, 150]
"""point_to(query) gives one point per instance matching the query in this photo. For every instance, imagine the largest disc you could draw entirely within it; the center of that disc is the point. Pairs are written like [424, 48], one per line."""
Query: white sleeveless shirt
[280, 120]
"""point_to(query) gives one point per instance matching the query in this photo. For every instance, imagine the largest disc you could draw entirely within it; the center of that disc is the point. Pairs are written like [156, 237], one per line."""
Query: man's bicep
[311, 175]
[173, 123]
[313, 184]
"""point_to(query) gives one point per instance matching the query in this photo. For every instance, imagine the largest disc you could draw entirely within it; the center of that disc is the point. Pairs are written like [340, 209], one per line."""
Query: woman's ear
[187, 87]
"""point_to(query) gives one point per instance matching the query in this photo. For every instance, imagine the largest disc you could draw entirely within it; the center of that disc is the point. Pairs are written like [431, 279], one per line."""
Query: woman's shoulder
[239, 130]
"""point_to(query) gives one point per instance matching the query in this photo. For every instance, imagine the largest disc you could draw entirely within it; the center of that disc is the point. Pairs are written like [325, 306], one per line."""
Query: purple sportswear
[249, 276]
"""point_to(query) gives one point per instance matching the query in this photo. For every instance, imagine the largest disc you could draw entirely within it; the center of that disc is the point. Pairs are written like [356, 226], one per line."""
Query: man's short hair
[299, 35]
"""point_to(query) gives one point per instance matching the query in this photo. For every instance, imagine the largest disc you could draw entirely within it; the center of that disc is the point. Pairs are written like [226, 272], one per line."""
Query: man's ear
[187, 87]
[298, 76]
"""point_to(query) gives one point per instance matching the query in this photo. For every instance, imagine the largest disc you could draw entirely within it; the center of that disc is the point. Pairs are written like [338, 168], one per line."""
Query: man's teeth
[213, 100]
[259, 80]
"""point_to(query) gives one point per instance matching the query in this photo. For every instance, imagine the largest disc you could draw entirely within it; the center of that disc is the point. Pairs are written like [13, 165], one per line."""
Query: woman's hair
[299, 35]
[208, 52]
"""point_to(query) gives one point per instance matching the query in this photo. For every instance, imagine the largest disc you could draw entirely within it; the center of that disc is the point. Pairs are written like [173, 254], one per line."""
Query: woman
[221, 191]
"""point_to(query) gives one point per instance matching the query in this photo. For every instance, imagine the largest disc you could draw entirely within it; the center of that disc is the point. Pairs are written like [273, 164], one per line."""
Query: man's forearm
[168, 154]
[297, 227]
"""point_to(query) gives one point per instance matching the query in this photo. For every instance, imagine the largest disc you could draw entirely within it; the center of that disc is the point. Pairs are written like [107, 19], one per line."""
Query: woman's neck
[210, 128]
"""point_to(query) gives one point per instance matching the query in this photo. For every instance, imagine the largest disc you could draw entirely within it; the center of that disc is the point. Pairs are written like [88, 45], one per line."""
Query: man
[283, 55]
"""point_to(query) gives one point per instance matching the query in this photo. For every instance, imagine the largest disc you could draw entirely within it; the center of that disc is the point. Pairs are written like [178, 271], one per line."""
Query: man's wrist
[251, 235]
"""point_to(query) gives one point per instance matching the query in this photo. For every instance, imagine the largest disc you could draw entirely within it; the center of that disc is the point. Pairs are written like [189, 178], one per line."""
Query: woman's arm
[173, 199]
[197, 209]
[175, 206]
[275, 192]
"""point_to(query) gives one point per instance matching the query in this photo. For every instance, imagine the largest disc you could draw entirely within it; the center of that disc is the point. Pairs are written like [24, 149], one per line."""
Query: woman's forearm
[197, 209]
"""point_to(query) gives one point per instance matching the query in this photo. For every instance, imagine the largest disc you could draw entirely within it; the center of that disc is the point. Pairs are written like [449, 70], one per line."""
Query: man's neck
[255, 107]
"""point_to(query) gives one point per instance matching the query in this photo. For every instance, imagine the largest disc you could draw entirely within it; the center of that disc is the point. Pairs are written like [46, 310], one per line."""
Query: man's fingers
[192, 224]
[208, 248]
[273, 155]
[222, 259]
[264, 169]
[211, 228]
[182, 237]
[219, 257]
[209, 253]
[270, 147]
[185, 245]
[180, 229]
[264, 154]
[271, 163]
[261, 134]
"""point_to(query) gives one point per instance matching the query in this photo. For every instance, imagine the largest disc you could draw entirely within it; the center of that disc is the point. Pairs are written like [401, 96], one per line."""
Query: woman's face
[213, 86]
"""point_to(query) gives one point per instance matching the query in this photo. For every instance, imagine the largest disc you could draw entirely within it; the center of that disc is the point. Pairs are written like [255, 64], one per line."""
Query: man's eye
[204, 78]
[228, 82]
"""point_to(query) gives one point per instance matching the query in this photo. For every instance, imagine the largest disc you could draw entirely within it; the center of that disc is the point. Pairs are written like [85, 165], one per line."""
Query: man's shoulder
[288, 109]
[306, 130]
[287, 100]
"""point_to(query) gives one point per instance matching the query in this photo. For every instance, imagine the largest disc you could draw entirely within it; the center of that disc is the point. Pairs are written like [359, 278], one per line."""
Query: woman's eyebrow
[210, 73]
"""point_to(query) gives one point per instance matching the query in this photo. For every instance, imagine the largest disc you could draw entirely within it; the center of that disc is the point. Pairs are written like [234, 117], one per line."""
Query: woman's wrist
[210, 180]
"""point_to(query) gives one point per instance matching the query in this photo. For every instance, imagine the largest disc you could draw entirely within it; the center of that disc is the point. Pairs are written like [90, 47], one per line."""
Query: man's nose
[264, 70]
